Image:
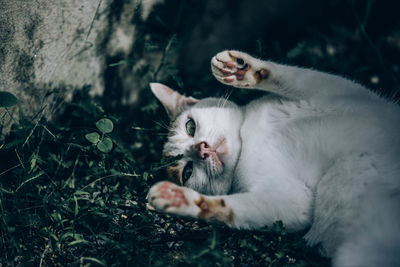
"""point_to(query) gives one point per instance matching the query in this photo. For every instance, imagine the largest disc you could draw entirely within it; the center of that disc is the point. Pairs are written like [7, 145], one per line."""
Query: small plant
[7, 100]
[102, 142]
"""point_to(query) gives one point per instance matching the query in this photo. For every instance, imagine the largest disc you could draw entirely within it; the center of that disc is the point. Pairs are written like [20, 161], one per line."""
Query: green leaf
[54, 236]
[100, 214]
[105, 125]
[78, 242]
[80, 192]
[105, 145]
[66, 235]
[33, 162]
[76, 209]
[122, 62]
[7, 99]
[13, 143]
[56, 216]
[93, 138]
[145, 176]
[100, 262]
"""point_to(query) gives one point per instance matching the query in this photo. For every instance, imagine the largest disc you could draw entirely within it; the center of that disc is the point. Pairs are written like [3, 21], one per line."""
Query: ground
[70, 198]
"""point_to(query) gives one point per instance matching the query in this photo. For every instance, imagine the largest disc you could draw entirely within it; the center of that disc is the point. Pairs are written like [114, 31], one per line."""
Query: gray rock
[49, 49]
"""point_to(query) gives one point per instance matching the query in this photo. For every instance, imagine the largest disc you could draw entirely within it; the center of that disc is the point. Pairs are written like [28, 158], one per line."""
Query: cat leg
[183, 201]
[241, 70]
[244, 210]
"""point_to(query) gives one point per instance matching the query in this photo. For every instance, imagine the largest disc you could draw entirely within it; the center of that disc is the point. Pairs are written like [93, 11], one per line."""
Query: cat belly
[274, 144]
[334, 160]
[268, 167]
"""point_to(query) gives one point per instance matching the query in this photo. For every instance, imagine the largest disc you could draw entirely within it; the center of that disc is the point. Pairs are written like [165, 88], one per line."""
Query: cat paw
[171, 198]
[239, 69]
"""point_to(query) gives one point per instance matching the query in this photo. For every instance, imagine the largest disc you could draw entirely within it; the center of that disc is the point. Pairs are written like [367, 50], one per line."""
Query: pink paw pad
[231, 65]
[234, 71]
[174, 193]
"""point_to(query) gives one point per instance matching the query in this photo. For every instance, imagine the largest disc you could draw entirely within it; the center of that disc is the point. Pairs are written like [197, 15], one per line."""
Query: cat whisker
[163, 125]
[223, 99]
[219, 102]
[148, 130]
[228, 94]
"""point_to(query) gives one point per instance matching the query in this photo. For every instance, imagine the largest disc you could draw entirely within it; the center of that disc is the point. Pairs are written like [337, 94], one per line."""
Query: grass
[66, 201]
[72, 190]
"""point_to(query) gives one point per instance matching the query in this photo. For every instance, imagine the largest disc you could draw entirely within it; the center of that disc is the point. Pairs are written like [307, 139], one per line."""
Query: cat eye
[190, 127]
[187, 172]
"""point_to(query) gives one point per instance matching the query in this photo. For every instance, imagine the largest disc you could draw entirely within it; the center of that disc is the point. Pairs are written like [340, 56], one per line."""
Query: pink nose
[204, 150]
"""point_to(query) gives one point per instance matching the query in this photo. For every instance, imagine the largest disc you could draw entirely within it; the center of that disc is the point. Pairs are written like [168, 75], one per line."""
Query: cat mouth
[220, 151]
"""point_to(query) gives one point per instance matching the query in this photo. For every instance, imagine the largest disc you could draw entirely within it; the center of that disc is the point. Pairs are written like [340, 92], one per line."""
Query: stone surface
[50, 46]
[49, 49]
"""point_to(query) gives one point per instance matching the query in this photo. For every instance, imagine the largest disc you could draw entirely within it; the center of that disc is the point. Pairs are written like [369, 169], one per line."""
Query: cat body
[321, 154]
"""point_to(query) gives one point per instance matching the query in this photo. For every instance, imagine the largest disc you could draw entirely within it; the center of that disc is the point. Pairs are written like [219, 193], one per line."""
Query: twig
[19, 158]
[30, 179]
[33, 129]
[48, 176]
[91, 24]
[11, 116]
[75, 164]
[44, 252]
[111, 175]
[10, 169]
[44, 126]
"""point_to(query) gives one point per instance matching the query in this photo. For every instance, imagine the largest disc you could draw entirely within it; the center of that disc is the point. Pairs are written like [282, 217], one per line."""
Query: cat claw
[238, 69]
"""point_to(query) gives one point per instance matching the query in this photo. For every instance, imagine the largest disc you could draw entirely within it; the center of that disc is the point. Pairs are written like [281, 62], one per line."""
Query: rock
[49, 49]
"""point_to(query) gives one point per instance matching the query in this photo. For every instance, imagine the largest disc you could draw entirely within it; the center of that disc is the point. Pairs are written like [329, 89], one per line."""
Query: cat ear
[173, 102]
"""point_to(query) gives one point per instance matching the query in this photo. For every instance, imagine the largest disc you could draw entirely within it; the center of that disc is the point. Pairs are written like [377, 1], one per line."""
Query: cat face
[206, 133]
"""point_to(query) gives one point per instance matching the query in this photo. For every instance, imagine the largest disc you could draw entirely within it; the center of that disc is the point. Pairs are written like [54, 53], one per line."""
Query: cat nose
[203, 150]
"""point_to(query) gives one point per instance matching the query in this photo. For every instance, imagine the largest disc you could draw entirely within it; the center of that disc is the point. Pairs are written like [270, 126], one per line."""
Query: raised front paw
[239, 69]
[171, 198]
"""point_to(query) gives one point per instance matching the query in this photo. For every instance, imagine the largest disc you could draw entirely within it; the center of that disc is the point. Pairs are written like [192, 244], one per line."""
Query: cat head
[206, 133]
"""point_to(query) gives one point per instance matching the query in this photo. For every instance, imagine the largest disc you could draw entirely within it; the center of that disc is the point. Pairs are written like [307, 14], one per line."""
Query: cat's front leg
[243, 210]
[183, 201]
[239, 69]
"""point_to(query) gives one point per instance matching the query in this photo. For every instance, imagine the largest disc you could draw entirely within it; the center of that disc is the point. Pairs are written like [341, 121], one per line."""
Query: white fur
[325, 156]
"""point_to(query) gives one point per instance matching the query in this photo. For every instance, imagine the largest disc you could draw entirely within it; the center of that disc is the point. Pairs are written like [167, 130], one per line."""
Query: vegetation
[72, 190]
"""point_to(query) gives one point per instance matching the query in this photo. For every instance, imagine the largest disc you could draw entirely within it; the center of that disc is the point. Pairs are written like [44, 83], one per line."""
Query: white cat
[323, 154]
